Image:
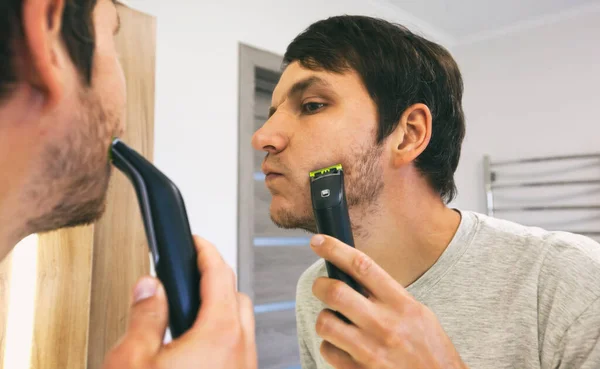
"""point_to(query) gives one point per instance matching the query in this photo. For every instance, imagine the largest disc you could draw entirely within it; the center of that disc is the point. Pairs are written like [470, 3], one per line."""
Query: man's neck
[407, 235]
[11, 232]
[17, 116]
[13, 218]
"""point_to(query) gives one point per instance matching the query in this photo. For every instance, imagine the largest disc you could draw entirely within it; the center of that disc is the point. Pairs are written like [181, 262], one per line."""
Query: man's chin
[87, 218]
[65, 216]
[79, 206]
[289, 220]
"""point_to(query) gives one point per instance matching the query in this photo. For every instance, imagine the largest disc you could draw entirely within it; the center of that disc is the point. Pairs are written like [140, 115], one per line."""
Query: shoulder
[566, 257]
[569, 280]
[569, 298]
[566, 265]
[506, 230]
[553, 245]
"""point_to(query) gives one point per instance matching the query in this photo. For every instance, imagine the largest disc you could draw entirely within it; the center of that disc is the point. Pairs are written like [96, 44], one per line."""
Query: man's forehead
[296, 74]
[296, 78]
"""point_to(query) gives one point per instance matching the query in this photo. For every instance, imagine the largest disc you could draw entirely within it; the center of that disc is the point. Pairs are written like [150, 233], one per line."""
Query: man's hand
[222, 337]
[390, 328]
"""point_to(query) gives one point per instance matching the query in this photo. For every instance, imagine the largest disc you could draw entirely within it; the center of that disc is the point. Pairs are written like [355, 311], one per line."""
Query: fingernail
[145, 288]
[317, 240]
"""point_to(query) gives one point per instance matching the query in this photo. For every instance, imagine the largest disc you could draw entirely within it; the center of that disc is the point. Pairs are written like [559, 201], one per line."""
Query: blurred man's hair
[77, 32]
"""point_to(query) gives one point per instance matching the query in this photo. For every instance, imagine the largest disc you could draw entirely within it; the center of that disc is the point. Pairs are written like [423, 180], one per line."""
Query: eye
[312, 107]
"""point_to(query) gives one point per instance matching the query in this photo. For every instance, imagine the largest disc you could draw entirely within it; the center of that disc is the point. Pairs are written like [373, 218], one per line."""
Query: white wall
[532, 93]
[197, 91]
[528, 93]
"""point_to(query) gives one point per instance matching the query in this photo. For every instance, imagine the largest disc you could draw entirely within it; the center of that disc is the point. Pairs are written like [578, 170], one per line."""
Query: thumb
[147, 319]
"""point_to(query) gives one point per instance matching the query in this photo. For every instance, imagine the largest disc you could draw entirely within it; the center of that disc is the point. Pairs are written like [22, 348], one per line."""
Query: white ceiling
[464, 21]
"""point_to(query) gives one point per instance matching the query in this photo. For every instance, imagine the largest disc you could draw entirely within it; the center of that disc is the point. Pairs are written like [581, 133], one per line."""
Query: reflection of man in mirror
[447, 288]
[62, 100]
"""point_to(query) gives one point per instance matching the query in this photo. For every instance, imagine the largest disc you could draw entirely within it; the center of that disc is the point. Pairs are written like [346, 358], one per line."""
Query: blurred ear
[43, 54]
[412, 135]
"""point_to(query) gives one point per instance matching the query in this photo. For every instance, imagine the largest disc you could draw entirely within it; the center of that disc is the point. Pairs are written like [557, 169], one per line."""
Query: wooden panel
[5, 269]
[277, 270]
[62, 299]
[276, 340]
[120, 246]
[263, 225]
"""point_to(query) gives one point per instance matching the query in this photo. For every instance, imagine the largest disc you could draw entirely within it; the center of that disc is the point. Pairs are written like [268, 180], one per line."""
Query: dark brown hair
[399, 68]
[77, 31]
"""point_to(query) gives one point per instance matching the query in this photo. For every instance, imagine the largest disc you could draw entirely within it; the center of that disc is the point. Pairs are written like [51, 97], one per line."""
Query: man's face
[72, 169]
[319, 119]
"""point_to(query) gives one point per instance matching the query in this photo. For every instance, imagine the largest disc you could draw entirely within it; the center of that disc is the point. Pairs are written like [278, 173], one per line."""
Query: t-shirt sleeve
[306, 359]
[580, 345]
[305, 316]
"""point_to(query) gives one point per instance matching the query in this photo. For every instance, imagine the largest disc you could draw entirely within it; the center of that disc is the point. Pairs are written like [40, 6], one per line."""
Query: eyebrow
[299, 87]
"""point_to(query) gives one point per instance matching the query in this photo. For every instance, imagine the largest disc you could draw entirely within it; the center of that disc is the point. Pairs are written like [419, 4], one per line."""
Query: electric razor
[168, 232]
[331, 215]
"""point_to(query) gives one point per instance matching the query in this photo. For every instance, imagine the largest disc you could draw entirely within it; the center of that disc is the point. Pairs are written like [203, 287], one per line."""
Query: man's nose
[269, 139]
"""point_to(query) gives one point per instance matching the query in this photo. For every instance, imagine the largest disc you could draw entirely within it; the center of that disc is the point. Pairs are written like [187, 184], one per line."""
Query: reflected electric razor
[168, 232]
[331, 215]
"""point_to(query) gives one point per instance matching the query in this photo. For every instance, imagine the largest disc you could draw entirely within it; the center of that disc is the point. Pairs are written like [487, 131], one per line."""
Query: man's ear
[42, 48]
[412, 135]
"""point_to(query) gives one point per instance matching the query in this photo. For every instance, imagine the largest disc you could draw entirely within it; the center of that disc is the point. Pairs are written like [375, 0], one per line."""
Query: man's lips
[272, 175]
[270, 172]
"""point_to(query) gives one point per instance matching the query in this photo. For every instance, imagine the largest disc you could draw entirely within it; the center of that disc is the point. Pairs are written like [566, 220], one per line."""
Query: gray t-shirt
[509, 296]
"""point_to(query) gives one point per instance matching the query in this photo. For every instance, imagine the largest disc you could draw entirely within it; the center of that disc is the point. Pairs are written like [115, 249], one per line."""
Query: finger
[347, 337]
[249, 328]
[147, 323]
[218, 291]
[342, 298]
[337, 358]
[359, 266]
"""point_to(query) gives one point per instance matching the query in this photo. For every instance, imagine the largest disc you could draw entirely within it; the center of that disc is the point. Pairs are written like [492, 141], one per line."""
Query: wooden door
[121, 253]
[84, 275]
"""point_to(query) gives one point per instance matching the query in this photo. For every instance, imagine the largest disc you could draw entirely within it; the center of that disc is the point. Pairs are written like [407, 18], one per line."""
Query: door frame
[250, 59]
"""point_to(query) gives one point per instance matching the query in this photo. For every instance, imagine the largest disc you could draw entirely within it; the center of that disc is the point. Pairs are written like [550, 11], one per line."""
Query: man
[445, 288]
[62, 99]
